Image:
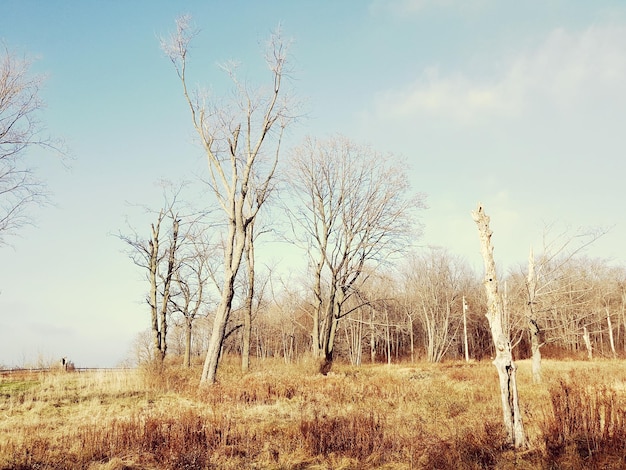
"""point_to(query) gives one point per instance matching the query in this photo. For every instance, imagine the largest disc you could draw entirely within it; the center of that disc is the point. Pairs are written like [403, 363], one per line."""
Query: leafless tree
[507, 370]
[352, 207]
[191, 279]
[290, 308]
[20, 130]
[549, 276]
[435, 283]
[141, 349]
[380, 306]
[241, 141]
[158, 255]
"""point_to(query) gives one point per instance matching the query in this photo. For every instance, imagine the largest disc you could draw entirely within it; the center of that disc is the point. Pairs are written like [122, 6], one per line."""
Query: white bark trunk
[372, 337]
[587, 340]
[154, 256]
[504, 358]
[610, 328]
[465, 347]
[234, 253]
[388, 337]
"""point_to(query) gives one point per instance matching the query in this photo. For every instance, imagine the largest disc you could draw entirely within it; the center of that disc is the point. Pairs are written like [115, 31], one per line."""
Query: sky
[518, 105]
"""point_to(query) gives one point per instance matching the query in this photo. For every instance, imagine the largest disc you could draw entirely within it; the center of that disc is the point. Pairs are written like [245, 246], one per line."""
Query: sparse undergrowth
[288, 416]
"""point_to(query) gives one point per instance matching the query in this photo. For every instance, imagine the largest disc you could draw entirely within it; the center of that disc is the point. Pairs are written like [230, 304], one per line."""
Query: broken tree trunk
[495, 315]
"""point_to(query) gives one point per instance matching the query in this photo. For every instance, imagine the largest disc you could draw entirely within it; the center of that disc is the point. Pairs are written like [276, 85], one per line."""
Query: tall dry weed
[356, 436]
[419, 416]
[586, 423]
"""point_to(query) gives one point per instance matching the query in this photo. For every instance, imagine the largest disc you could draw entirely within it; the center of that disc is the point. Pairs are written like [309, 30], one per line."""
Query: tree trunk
[610, 328]
[411, 338]
[247, 311]
[332, 314]
[209, 370]
[359, 340]
[388, 336]
[504, 358]
[535, 347]
[329, 346]
[154, 266]
[372, 337]
[235, 246]
[317, 311]
[188, 343]
[165, 301]
[624, 317]
[465, 347]
[533, 326]
[354, 336]
[587, 340]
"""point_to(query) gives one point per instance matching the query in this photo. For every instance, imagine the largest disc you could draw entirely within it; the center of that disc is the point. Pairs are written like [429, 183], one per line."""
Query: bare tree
[157, 254]
[191, 279]
[142, 349]
[435, 283]
[507, 371]
[368, 308]
[292, 309]
[352, 208]
[242, 144]
[547, 278]
[20, 130]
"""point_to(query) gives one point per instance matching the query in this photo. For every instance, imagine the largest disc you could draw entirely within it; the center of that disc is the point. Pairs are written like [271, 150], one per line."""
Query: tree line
[429, 306]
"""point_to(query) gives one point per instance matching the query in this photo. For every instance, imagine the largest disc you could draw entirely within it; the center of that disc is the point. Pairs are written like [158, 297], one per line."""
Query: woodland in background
[416, 312]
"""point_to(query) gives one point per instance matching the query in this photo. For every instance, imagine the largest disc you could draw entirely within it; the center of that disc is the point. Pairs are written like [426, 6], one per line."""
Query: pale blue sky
[520, 105]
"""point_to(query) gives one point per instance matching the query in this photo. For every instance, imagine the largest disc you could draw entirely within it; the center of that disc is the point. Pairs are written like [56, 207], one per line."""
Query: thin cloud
[456, 97]
[568, 69]
[403, 7]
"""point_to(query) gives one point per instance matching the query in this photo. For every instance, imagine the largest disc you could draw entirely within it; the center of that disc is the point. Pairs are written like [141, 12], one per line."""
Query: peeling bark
[504, 358]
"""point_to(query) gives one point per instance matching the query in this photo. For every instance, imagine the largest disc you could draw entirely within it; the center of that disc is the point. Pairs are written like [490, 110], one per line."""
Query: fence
[46, 370]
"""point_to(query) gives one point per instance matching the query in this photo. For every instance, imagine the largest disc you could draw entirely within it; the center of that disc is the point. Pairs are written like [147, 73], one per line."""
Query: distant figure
[66, 364]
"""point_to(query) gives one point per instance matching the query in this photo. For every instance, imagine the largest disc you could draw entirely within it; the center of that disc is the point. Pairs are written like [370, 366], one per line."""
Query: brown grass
[291, 417]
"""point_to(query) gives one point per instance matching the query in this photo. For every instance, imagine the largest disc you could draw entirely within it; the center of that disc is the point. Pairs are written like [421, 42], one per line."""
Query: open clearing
[280, 415]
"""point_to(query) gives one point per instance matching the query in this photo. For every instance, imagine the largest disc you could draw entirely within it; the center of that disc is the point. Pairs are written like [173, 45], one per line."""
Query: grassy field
[288, 416]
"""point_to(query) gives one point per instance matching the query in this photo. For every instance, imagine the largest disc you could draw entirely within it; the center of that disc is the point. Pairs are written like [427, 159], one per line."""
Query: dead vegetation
[288, 416]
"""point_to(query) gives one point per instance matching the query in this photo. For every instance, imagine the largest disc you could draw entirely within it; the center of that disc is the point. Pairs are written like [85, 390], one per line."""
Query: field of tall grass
[408, 416]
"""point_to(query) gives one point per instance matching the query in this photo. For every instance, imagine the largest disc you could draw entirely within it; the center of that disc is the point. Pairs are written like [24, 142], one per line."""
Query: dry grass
[290, 417]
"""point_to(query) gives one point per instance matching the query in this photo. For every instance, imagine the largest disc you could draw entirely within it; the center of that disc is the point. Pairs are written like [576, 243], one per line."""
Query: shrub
[357, 436]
